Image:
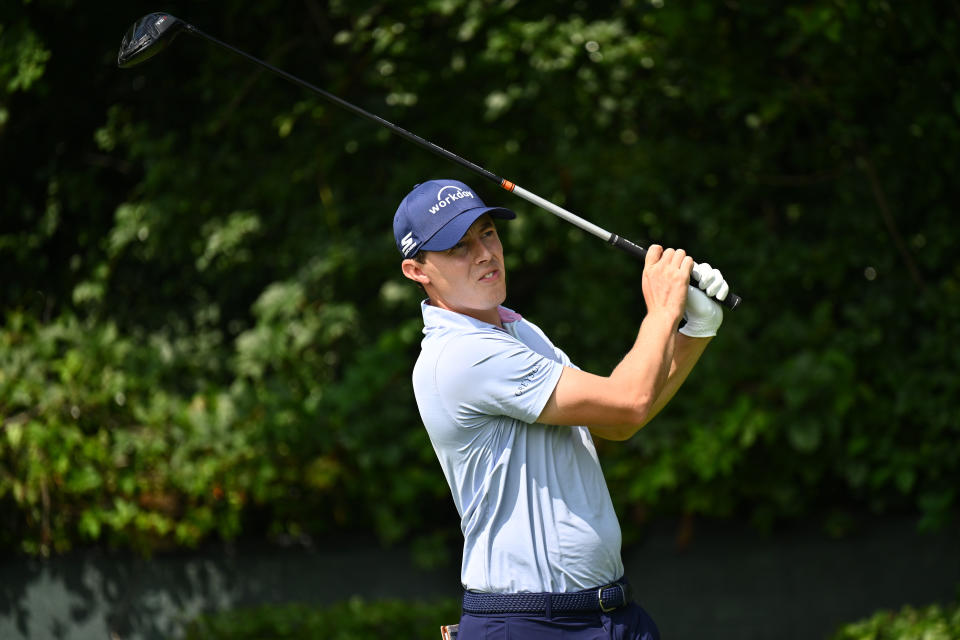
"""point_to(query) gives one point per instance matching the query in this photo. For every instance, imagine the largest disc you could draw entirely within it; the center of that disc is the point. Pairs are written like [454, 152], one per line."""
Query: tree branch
[867, 167]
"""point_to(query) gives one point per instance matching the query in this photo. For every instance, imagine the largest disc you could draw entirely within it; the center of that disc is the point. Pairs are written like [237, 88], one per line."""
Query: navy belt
[606, 598]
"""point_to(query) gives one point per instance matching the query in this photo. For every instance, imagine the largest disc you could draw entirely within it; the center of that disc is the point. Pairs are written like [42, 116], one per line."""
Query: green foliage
[926, 623]
[205, 328]
[98, 445]
[24, 58]
[354, 619]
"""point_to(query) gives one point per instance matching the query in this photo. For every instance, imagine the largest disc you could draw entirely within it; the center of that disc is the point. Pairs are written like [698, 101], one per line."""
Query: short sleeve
[486, 373]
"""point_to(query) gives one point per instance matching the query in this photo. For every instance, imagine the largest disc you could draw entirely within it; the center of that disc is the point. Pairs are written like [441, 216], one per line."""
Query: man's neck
[490, 316]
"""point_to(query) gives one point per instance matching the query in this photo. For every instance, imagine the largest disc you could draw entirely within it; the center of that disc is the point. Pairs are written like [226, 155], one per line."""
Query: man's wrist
[662, 317]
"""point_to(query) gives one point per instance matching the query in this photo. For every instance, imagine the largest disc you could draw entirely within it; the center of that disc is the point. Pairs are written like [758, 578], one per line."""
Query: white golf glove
[704, 315]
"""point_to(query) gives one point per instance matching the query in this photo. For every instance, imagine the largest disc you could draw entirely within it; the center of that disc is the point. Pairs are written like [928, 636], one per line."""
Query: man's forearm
[683, 353]
[646, 367]
[686, 353]
[643, 374]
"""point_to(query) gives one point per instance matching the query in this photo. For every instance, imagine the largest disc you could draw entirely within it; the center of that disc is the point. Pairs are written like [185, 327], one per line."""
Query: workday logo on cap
[448, 194]
[436, 214]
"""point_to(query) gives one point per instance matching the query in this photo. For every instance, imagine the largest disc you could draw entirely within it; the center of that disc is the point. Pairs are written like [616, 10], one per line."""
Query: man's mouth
[492, 275]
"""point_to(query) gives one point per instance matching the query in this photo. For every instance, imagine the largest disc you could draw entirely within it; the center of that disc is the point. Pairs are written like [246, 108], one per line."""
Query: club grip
[732, 301]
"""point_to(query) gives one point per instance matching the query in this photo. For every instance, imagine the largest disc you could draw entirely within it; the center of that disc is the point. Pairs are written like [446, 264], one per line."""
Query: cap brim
[451, 233]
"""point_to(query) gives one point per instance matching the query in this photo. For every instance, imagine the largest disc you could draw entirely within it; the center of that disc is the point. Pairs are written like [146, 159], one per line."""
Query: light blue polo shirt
[535, 511]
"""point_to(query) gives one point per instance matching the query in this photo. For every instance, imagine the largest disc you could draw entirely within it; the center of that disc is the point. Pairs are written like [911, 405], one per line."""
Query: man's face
[468, 278]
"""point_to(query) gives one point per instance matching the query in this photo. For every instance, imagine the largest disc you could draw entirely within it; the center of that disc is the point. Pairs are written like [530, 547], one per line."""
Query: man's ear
[414, 270]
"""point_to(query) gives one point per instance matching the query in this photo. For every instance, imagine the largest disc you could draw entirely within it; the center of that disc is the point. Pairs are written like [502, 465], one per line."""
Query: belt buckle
[600, 597]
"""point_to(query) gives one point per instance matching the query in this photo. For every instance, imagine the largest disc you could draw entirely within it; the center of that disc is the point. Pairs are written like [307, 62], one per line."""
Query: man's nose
[482, 253]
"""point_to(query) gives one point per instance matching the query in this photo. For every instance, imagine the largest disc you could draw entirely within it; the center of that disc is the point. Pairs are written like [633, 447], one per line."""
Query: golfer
[512, 421]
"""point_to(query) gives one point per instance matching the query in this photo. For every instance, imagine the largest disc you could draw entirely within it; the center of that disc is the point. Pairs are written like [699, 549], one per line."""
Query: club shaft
[732, 300]
[560, 212]
[400, 131]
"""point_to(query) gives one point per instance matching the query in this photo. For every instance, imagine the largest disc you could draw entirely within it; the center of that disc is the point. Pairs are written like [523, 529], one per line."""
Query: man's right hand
[666, 276]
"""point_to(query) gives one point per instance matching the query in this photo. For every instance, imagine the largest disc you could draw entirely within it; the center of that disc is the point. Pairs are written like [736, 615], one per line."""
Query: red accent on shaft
[506, 184]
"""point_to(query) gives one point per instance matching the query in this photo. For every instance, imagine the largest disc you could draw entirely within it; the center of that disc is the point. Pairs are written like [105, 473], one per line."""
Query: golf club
[152, 33]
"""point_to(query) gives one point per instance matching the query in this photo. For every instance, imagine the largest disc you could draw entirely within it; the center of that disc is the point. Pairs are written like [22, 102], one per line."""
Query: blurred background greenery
[206, 335]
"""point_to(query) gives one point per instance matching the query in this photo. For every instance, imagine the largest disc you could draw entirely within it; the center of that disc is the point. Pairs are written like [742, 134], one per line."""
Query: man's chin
[501, 296]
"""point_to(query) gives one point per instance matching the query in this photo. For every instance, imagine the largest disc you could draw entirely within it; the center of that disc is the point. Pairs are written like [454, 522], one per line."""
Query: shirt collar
[437, 317]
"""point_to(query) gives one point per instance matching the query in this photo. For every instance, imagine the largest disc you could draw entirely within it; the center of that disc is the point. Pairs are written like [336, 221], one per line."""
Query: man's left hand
[702, 314]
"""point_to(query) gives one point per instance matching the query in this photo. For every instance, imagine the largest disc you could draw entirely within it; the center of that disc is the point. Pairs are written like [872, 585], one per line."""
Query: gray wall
[729, 582]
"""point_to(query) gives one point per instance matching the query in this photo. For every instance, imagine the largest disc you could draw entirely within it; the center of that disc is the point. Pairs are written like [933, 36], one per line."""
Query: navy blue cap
[436, 214]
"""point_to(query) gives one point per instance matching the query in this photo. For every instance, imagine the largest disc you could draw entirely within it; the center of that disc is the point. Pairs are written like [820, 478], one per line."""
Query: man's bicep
[582, 398]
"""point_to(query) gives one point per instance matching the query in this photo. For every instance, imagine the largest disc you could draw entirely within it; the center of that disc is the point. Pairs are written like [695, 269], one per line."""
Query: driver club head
[147, 37]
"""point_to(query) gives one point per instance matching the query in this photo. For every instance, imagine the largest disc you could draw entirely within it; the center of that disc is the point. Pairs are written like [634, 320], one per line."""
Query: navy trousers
[626, 623]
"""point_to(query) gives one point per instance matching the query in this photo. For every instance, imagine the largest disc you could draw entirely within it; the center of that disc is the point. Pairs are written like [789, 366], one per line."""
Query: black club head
[147, 37]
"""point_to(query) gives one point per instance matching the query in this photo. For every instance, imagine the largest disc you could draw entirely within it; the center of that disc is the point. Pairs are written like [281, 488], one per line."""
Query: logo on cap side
[444, 200]
[407, 243]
